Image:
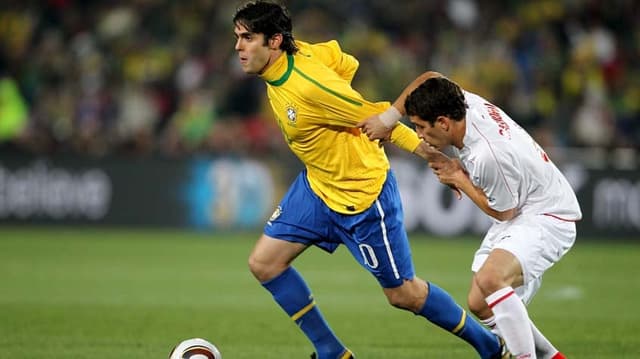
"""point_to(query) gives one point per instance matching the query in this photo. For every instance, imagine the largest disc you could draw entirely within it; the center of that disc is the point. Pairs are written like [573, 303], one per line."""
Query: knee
[396, 299]
[489, 281]
[409, 296]
[261, 270]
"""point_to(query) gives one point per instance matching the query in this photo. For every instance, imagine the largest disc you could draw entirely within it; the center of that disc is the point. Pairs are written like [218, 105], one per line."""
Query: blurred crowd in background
[145, 77]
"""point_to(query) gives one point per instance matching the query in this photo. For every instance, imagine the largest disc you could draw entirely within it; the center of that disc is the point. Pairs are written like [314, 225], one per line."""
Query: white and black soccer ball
[195, 348]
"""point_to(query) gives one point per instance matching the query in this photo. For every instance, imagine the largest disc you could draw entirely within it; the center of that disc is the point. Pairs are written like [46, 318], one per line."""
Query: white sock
[491, 324]
[512, 319]
[544, 348]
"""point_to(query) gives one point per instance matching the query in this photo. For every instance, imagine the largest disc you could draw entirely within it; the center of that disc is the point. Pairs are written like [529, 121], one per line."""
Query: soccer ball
[195, 348]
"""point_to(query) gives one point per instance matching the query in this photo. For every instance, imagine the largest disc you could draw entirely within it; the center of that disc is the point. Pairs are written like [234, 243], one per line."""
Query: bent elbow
[507, 215]
[429, 74]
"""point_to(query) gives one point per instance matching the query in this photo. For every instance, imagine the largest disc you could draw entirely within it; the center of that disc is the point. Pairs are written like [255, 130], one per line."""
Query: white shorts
[538, 242]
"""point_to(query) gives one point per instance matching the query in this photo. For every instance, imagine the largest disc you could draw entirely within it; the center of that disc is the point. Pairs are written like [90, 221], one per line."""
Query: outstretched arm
[380, 126]
[399, 102]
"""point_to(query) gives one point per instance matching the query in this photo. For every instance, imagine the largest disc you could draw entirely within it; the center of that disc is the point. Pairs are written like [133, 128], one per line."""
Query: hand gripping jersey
[510, 167]
[317, 109]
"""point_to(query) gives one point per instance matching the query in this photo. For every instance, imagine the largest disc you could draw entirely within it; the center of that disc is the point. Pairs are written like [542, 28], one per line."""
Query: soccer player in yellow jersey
[346, 194]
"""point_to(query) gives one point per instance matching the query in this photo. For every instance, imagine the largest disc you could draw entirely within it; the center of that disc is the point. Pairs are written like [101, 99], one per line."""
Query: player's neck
[459, 129]
[273, 57]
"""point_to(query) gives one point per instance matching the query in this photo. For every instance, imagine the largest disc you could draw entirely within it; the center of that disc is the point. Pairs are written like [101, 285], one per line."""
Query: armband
[390, 117]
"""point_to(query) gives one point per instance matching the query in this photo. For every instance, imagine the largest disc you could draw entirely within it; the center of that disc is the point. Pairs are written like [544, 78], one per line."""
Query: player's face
[434, 135]
[253, 54]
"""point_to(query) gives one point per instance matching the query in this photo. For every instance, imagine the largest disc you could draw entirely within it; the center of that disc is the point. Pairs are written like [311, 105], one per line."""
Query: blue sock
[292, 294]
[443, 311]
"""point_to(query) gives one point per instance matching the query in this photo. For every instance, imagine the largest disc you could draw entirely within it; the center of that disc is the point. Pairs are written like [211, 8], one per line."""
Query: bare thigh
[271, 256]
[501, 269]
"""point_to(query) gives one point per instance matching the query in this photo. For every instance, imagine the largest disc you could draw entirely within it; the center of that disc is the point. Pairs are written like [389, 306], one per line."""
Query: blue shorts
[376, 237]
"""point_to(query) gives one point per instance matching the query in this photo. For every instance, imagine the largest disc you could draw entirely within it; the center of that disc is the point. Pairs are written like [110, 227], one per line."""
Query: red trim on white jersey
[560, 218]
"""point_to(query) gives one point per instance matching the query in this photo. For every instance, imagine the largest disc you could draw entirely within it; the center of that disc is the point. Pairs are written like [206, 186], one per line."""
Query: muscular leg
[270, 262]
[479, 307]
[493, 284]
[378, 241]
[271, 256]
[437, 306]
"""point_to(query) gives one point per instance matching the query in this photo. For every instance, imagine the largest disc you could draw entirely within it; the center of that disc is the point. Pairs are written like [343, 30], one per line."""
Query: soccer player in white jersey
[509, 176]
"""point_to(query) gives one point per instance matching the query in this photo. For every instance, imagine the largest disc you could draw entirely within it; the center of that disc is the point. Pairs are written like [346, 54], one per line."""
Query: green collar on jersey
[286, 74]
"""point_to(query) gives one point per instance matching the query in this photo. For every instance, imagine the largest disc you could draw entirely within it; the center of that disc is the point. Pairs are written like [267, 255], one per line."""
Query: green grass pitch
[113, 294]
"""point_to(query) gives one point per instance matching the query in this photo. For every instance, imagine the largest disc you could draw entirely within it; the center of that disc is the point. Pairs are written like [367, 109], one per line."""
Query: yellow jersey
[317, 110]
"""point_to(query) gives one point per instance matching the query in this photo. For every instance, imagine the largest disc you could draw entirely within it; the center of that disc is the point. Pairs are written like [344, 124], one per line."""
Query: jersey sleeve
[343, 106]
[330, 54]
[405, 138]
[498, 176]
[337, 103]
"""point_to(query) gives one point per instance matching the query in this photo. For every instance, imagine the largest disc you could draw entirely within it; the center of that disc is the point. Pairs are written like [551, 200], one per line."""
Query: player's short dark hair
[437, 96]
[263, 17]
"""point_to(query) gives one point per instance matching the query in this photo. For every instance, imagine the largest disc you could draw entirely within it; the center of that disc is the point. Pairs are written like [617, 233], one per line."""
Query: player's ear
[442, 122]
[275, 41]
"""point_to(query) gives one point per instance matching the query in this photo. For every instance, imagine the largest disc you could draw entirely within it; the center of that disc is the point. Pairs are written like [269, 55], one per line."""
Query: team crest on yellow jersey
[292, 115]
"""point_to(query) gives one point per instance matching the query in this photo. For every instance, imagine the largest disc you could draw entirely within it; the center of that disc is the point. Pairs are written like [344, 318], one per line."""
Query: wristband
[390, 117]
